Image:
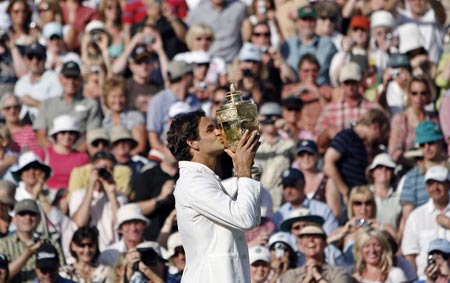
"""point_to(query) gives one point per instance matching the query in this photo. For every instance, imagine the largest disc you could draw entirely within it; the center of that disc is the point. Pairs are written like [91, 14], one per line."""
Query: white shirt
[46, 87]
[420, 229]
[212, 220]
[101, 214]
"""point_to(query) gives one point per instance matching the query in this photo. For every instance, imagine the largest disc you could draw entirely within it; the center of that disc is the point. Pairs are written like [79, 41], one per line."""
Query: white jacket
[212, 220]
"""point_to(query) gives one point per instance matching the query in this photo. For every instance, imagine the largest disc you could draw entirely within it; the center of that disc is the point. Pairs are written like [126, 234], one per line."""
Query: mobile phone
[431, 260]
[148, 39]
[362, 222]
[280, 250]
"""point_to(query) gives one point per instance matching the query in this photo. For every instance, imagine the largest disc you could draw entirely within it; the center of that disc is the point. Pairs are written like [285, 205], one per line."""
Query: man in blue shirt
[308, 42]
[293, 184]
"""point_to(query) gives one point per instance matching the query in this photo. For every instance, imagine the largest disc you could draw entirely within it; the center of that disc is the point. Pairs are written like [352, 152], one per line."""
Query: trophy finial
[232, 88]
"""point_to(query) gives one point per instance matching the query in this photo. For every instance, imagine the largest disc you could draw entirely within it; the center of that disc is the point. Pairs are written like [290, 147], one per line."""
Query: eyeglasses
[205, 38]
[97, 143]
[89, 245]
[15, 107]
[427, 143]
[30, 213]
[32, 56]
[259, 34]
[422, 93]
[304, 153]
[360, 203]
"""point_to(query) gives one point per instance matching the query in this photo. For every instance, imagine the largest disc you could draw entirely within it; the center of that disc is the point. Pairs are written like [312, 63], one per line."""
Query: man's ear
[193, 144]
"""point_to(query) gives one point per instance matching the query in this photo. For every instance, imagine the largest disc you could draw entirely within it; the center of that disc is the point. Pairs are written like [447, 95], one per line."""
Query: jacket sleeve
[242, 212]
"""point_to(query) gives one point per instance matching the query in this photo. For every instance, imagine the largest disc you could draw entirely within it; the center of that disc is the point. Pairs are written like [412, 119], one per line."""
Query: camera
[362, 222]
[95, 37]
[389, 37]
[395, 72]
[431, 260]
[247, 73]
[280, 250]
[148, 39]
[261, 7]
[105, 174]
[148, 256]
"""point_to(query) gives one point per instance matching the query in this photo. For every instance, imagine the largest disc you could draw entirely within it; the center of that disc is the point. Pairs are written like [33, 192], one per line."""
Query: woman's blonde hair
[113, 83]
[362, 237]
[7, 96]
[358, 193]
[196, 30]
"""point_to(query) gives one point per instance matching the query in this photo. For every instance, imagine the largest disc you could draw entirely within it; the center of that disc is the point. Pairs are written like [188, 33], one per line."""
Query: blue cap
[428, 131]
[291, 176]
[307, 145]
[51, 29]
[439, 244]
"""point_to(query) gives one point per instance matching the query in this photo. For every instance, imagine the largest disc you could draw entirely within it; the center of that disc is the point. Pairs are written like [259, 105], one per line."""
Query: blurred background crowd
[354, 109]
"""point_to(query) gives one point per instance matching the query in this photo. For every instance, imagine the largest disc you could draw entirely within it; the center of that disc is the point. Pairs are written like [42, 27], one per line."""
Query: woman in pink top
[61, 156]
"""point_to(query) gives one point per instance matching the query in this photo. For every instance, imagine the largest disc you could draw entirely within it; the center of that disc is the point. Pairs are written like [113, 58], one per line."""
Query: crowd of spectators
[354, 111]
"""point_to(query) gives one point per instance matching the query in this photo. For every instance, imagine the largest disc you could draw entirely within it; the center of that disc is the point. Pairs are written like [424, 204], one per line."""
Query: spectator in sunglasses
[38, 84]
[275, 153]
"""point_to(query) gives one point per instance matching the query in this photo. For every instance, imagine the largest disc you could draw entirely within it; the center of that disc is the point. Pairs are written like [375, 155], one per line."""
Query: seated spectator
[79, 177]
[98, 203]
[122, 144]
[4, 272]
[61, 155]
[444, 119]
[317, 185]
[47, 265]
[7, 190]
[346, 111]
[146, 261]
[428, 221]
[374, 258]
[130, 225]
[85, 250]
[381, 177]
[438, 265]
[283, 256]
[118, 114]
[362, 212]
[176, 258]
[346, 159]
[19, 248]
[313, 242]
[293, 193]
[23, 136]
[290, 126]
[259, 258]
[84, 110]
[7, 156]
[420, 93]
[38, 84]
[275, 153]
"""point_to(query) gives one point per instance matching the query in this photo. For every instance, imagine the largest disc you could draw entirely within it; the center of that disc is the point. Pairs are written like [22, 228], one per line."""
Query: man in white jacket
[212, 218]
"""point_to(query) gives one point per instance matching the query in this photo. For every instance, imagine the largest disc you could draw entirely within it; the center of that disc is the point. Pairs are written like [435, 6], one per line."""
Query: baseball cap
[439, 244]
[177, 69]
[26, 205]
[350, 72]
[307, 145]
[259, 253]
[382, 159]
[140, 53]
[52, 28]
[291, 176]
[71, 69]
[47, 256]
[428, 131]
[307, 12]
[270, 109]
[360, 21]
[35, 48]
[438, 173]
[284, 237]
[94, 26]
[250, 52]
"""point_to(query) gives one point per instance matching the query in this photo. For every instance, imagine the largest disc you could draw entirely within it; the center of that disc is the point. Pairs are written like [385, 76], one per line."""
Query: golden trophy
[236, 116]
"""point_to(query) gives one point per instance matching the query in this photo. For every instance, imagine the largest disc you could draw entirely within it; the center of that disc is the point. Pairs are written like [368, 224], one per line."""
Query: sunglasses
[427, 143]
[218, 102]
[31, 213]
[293, 109]
[359, 29]
[205, 38]
[89, 245]
[96, 143]
[305, 153]
[32, 56]
[332, 19]
[55, 37]
[199, 65]
[67, 132]
[15, 107]
[422, 93]
[366, 203]
[259, 34]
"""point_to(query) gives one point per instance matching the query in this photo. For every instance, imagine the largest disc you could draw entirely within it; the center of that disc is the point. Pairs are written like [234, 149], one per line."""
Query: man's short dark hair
[184, 128]
[310, 58]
